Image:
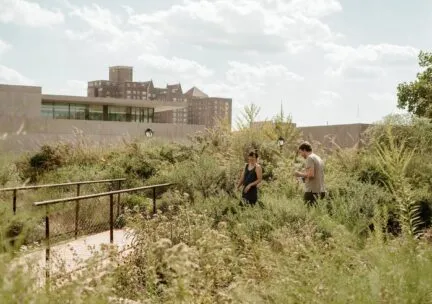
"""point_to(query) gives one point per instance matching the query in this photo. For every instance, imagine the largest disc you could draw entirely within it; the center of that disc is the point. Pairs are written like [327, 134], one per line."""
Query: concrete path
[71, 256]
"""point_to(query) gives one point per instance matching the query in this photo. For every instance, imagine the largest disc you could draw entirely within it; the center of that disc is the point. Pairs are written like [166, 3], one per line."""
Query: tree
[416, 96]
[248, 116]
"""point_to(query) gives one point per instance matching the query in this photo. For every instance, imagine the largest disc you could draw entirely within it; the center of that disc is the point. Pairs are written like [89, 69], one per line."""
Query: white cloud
[10, 76]
[182, 66]
[76, 87]
[246, 83]
[327, 99]
[72, 88]
[383, 97]
[79, 36]
[356, 72]
[266, 25]
[366, 61]
[367, 53]
[129, 10]
[4, 47]
[104, 27]
[28, 13]
[99, 19]
[260, 74]
[315, 8]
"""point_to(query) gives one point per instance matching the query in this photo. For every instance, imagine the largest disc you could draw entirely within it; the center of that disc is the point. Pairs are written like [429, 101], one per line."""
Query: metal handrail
[76, 199]
[71, 199]
[78, 184]
[32, 187]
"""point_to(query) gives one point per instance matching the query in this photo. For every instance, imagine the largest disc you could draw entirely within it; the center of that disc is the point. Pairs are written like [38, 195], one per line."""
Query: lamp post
[148, 132]
[281, 142]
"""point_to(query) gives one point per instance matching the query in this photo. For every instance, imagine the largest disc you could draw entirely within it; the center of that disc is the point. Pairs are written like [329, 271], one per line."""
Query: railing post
[154, 200]
[77, 207]
[47, 244]
[111, 218]
[118, 198]
[14, 207]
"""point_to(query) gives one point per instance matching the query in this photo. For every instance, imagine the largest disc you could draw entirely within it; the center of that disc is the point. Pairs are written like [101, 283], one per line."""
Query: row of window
[96, 112]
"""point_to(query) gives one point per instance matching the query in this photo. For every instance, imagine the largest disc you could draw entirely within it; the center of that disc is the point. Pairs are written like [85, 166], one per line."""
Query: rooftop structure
[29, 118]
[200, 107]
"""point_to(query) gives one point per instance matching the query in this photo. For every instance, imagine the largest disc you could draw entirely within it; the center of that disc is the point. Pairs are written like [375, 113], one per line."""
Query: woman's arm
[241, 180]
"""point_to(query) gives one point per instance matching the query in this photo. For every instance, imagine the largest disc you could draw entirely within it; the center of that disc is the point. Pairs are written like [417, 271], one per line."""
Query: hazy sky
[326, 60]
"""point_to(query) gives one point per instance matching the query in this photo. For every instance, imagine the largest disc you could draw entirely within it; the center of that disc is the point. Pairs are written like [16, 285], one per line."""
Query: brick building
[201, 109]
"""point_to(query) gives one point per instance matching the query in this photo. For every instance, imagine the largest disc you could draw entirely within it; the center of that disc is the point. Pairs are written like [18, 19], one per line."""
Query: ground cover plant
[368, 242]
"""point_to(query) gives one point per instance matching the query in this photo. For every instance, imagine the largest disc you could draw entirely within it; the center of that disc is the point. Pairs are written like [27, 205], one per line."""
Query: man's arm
[310, 169]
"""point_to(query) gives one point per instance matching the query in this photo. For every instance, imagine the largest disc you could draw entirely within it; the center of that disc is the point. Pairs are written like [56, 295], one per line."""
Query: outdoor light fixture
[149, 133]
[281, 142]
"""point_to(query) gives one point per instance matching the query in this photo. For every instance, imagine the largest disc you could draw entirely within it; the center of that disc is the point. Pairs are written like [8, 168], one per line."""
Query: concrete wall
[20, 101]
[23, 134]
[22, 128]
[346, 136]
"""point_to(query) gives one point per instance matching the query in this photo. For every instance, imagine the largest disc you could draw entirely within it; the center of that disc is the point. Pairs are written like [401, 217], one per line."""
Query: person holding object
[250, 177]
[313, 176]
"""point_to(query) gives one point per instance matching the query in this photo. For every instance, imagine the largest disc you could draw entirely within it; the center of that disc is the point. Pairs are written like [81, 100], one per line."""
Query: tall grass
[203, 247]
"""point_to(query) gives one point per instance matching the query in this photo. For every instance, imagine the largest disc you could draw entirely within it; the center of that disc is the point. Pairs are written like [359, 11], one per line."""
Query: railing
[111, 194]
[78, 184]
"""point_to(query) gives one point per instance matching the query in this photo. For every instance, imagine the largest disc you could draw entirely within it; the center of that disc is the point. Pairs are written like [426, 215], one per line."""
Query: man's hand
[298, 174]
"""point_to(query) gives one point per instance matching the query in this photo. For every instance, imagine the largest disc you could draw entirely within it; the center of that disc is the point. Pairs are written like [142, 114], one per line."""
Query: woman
[250, 178]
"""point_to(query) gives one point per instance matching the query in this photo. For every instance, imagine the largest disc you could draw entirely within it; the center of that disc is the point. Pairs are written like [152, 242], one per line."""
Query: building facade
[29, 119]
[200, 109]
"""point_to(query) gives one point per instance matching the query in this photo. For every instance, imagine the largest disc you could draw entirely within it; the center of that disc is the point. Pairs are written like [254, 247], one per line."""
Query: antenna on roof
[358, 112]
[281, 111]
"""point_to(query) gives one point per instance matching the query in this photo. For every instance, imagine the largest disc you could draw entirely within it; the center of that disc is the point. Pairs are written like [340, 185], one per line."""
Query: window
[78, 111]
[95, 112]
[61, 111]
[116, 113]
[47, 109]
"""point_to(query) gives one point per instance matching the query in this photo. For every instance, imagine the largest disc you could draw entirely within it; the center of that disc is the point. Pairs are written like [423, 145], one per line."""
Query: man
[313, 176]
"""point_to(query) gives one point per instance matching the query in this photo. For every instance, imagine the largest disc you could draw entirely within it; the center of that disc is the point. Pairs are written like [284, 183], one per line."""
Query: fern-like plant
[394, 157]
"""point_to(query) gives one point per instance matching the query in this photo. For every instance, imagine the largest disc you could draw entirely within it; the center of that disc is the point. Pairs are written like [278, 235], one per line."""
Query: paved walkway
[70, 256]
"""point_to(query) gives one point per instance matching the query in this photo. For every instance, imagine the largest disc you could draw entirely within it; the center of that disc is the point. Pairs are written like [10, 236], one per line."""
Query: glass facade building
[96, 112]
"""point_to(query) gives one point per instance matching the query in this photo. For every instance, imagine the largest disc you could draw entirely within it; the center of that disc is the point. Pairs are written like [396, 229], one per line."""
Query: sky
[325, 61]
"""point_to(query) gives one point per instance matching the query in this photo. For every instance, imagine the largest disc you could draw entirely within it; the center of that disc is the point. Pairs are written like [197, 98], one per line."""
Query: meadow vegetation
[369, 242]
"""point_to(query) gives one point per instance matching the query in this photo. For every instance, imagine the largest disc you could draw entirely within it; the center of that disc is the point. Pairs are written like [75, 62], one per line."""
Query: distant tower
[282, 114]
[358, 112]
[121, 74]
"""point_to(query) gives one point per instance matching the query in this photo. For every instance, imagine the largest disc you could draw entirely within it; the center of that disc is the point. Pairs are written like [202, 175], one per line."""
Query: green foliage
[394, 159]
[416, 96]
[248, 116]
[203, 247]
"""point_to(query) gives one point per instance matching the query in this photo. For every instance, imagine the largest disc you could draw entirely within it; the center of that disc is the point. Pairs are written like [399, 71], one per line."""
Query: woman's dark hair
[305, 147]
[253, 154]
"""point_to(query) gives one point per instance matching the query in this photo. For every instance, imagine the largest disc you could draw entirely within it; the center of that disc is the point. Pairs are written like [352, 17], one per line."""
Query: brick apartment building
[201, 109]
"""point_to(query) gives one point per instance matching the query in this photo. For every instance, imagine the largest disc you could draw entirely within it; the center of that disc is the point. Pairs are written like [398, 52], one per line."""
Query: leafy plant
[394, 160]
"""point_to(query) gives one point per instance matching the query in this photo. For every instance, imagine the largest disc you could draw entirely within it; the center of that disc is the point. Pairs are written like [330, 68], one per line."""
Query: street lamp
[281, 142]
[148, 132]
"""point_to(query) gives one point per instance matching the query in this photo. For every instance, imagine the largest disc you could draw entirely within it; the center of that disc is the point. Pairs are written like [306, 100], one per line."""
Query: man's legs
[311, 198]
